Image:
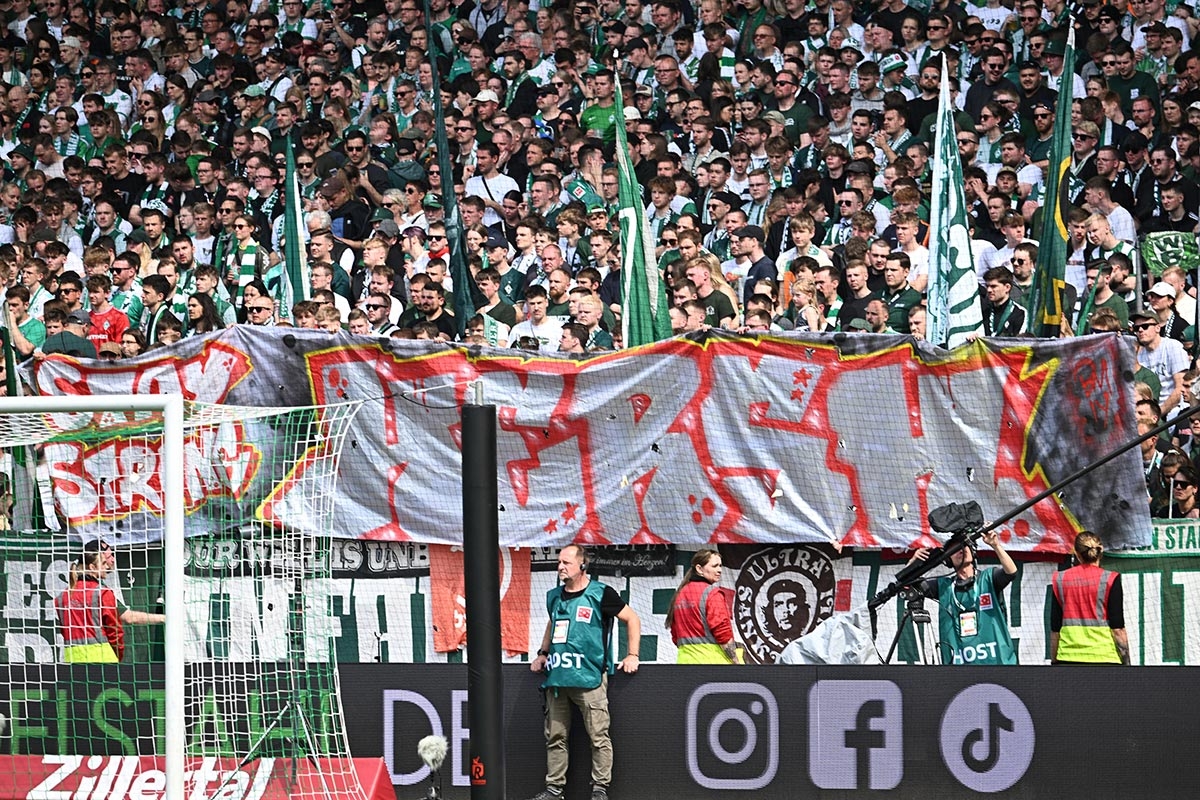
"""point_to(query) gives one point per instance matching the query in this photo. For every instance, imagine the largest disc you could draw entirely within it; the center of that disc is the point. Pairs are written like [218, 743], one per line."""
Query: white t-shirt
[492, 189]
[547, 333]
[1164, 361]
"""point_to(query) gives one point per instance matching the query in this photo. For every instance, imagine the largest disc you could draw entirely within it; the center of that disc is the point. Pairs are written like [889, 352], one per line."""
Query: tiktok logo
[987, 738]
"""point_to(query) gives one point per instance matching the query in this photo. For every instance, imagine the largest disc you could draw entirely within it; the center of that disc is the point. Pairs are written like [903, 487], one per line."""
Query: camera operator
[972, 621]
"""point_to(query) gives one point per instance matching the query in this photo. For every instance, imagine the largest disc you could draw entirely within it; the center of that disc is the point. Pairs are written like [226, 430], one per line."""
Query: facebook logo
[855, 735]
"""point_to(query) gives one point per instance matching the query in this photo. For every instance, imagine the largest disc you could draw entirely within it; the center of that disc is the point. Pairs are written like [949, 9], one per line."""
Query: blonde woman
[1087, 621]
[718, 278]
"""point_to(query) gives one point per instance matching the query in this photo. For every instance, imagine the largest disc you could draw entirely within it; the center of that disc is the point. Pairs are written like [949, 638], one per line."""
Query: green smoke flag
[954, 313]
[1045, 298]
[295, 285]
[645, 316]
[464, 284]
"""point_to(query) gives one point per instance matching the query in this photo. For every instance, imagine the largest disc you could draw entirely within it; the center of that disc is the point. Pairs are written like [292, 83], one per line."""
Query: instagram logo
[732, 736]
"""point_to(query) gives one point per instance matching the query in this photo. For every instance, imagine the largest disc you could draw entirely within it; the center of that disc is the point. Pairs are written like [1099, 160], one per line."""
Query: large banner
[834, 439]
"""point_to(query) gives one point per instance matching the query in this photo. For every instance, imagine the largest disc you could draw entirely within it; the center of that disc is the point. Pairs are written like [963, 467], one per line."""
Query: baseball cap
[431, 200]
[332, 186]
[1142, 316]
[892, 62]
[71, 41]
[259, 130]
[254, 90]
[495, 240]
[644, 91]
[774, 116]
[109, 349]
[487, 96]
[749, 232]
[859, 167]
[208, 96]
[631, 114]
[380, 215]
[388, 228]
[82, 317]
[1162, 289]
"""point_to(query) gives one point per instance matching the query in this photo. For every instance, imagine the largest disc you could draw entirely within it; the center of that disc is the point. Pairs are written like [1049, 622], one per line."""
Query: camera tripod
[916, 613]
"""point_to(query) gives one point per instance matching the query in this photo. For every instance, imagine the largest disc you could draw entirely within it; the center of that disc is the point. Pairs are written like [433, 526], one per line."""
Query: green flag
[1169, 249]
[954, 313]
[1045, 298]
[295, 285]
[645, 316]
[464, 285]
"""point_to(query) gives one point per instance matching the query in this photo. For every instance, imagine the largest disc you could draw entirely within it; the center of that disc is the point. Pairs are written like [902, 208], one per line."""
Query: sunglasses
[303, 164]
[1183, 484]
[1081, 137]
[259, 309]
[1145, 325]
[375, 307]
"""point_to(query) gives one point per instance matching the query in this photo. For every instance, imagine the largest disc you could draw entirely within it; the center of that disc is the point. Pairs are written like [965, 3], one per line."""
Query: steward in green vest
[574, 656]
[972, 619]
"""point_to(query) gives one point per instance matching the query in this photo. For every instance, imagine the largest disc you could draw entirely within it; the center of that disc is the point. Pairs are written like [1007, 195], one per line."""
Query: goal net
[156, 647]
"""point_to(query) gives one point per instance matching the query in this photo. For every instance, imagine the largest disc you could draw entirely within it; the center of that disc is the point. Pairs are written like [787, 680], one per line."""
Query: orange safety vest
[1082, 592]
[89, 629]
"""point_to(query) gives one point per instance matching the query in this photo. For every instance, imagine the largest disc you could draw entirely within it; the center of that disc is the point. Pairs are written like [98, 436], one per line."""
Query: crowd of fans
[783, 150]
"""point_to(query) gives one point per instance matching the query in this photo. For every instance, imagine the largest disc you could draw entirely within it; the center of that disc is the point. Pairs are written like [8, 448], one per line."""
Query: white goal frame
[171, 408]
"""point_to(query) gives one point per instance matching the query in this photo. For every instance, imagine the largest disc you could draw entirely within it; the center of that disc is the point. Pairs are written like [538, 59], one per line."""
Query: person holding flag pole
[289, 280]
[645, 316]
[954, 315]
[1046, 313]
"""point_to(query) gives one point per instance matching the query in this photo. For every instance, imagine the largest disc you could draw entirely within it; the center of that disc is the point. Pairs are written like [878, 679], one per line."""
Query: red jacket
[688, 622]
[87, 614]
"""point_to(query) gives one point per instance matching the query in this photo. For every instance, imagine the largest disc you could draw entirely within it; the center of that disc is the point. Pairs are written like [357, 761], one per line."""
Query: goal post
[167, 631]
[170, 408]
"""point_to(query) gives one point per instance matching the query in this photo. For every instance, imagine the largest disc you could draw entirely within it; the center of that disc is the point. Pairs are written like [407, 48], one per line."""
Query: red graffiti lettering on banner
[548, 406]
[118, 477]
[208, 376]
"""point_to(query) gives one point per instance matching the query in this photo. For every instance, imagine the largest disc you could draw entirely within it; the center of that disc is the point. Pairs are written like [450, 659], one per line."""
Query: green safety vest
[991, 642]
[578, 657]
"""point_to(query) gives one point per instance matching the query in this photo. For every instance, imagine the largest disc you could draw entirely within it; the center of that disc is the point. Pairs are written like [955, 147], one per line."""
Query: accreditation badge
[559, 634]
[967, 624]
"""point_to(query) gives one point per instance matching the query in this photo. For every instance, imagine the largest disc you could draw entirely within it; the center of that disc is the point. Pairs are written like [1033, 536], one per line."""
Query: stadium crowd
[783, 150]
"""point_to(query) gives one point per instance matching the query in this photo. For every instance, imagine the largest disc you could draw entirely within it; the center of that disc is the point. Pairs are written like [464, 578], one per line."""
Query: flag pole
[645, 315]
[464, 302]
